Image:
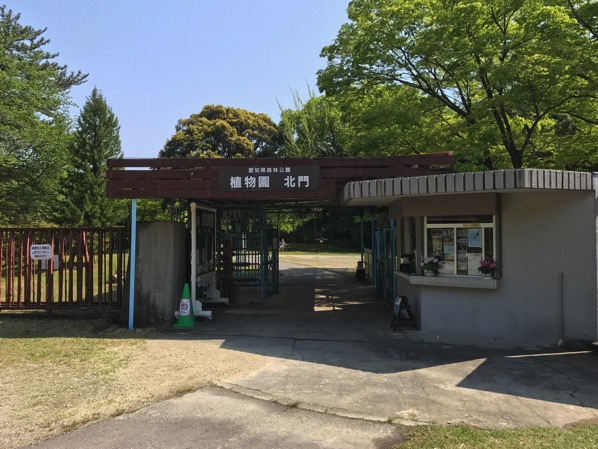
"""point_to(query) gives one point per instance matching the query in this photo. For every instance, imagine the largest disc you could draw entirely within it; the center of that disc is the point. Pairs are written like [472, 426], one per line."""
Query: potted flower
[431, 265]
[487, 268]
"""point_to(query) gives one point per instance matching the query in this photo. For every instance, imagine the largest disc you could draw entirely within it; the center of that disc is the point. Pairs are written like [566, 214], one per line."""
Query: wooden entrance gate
[86, 270]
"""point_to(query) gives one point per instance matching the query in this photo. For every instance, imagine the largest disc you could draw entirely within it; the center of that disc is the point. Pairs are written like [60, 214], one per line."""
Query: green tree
[150, 209]
[219, 131]
[585, 13]
[34, 121]
[312, 129]
[506, 75]
[95, 140]
[394, 120]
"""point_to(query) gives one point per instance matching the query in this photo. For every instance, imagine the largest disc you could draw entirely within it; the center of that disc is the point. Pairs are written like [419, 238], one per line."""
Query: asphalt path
[218, 418]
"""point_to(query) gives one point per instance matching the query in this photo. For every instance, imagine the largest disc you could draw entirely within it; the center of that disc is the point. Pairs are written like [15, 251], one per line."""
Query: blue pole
[393, 259]
[361, 235]
[132, 262]
[374, 253]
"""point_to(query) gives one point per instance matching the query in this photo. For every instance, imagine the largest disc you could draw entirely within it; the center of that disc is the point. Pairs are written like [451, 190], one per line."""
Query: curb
[333, 411]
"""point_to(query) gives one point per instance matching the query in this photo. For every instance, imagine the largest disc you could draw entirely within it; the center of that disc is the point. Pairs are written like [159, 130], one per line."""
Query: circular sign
[184, 307]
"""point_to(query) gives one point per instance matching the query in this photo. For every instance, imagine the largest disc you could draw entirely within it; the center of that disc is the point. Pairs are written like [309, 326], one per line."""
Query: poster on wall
[473, 262]
[437, 242]
[462, 239]
[447, 267]
[462, 262]
[474, 238]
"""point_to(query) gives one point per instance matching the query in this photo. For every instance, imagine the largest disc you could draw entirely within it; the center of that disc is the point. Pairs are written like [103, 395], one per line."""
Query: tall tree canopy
[312, 129]
[516, 78]
[34, 122]
[393, 120]
[220, 131]
[95, 140]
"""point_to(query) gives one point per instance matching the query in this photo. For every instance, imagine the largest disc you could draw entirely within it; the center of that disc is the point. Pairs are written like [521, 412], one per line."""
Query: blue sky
[157, 61]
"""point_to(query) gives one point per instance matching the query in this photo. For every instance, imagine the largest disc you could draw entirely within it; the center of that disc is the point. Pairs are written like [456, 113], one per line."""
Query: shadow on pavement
[331, 320]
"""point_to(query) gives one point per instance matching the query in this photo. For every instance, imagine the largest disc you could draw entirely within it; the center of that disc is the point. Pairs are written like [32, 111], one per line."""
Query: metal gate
[385, 260]
[381, 260]
[86, 270]
[270, 270]
[255, 249]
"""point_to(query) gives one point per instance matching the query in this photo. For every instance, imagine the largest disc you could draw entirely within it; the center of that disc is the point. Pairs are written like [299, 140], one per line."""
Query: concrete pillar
[160, 272]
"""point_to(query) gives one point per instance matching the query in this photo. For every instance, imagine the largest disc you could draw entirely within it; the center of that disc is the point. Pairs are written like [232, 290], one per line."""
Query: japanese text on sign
[40, 252]
[270, 178]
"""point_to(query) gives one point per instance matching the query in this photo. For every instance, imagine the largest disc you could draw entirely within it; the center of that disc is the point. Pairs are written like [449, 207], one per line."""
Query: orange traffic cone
[186, 318]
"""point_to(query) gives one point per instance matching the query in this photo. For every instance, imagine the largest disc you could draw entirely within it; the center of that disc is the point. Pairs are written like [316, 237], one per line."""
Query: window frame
[465, 225]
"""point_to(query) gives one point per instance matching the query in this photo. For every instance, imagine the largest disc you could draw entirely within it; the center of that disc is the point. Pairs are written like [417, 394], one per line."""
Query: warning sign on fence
[40, 252]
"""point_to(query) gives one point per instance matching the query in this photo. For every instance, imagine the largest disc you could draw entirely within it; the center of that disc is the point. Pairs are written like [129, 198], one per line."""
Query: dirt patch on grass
[52, 384]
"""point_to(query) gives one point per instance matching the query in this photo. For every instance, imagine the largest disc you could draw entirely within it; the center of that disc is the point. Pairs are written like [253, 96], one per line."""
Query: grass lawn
[327, 256]
[320, 248]
[58, 374]
[50, 370]
[439, 437]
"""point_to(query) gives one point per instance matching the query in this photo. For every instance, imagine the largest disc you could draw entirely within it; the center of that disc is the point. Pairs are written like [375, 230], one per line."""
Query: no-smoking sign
[184, 308]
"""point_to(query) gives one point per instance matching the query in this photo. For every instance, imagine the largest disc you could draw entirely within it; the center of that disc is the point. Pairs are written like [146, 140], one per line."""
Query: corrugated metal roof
[383, 191]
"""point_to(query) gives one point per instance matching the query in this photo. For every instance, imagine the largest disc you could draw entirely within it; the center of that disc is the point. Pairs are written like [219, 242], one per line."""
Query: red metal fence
[86, 271]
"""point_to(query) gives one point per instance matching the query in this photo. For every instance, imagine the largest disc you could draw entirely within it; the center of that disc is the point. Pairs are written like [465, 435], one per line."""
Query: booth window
[460, 242]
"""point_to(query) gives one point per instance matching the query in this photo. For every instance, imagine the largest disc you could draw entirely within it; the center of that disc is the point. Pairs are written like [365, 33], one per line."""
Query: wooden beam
[199, 178]
[422, 159]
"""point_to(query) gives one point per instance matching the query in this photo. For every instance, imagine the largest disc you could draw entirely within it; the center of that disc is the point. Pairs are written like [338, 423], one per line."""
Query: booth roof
[380, 192]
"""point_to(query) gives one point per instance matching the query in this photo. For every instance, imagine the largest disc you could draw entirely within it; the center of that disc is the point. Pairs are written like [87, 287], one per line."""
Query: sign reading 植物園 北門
[274, 178]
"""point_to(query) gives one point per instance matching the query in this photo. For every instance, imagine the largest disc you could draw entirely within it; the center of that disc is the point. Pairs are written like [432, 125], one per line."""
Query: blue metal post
[374, 254]
[132, 262]
[393, 257]
[361, 229]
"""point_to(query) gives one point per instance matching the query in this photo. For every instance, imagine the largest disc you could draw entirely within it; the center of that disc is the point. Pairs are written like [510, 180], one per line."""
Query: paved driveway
[334, 358]
[332, 349]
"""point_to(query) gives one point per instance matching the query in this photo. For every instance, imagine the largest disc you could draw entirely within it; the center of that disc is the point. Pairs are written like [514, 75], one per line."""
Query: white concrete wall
[542, 236]
[471, 203]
